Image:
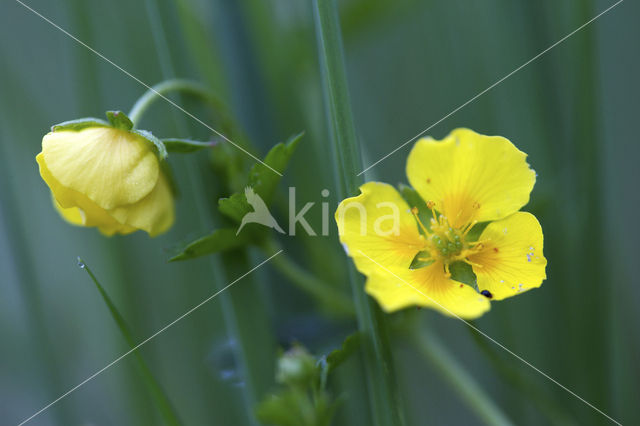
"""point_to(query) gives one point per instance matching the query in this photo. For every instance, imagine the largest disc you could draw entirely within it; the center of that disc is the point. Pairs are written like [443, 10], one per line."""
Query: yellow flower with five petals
[469, 182]
[106, 177]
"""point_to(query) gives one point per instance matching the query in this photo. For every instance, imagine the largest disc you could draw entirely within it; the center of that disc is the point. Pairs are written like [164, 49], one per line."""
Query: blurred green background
[409, 63]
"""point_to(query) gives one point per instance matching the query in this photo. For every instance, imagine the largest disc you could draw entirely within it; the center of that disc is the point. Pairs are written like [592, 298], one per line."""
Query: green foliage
[184, 146]
[218, 241]
[338, 356]
[303, 399]
[79, 124]
[119, 120]
[261, 179]
[160, 398]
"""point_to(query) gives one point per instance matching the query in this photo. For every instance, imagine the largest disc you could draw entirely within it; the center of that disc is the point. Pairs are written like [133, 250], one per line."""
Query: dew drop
[81, 264]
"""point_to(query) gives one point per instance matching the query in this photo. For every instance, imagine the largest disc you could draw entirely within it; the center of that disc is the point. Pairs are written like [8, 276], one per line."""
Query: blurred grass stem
[329, 296]
[465, 386]
[164, 405]
[384, 400]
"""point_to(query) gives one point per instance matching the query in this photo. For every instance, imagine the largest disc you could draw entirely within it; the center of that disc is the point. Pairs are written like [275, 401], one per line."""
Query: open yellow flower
[106, 177]
[467, 182]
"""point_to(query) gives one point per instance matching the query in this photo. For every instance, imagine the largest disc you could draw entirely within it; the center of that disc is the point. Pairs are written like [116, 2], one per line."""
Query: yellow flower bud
[107, 178]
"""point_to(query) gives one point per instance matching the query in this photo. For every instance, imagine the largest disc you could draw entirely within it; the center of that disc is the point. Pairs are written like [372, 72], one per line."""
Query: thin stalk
[465, 386]
[162, 401]
[160, 90]
[384, 399]
[336, 300]
[246, 322]
[556, 413]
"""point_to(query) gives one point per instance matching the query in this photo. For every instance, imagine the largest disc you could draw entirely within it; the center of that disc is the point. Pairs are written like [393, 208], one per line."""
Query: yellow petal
[398, 288]
[512, 259]
[71, 204]
[378, 222]
[471, 176]
[72, 215]
[111, 167]
[154, 213]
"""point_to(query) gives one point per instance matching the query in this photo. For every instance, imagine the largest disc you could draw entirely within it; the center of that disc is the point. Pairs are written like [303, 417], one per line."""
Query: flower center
[445, 243]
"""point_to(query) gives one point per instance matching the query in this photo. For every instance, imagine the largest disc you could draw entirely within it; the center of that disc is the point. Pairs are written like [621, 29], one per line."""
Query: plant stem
[164, 405]
[305, 281]
[383, 395]
[246, 322]
[160, 90]
[467, 388]
[556, 413]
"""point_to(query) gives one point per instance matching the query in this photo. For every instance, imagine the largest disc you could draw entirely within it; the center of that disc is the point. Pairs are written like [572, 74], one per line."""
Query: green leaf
[218, 241]
[161, 150]
[349, 346]
[119, 120]
[79, 124]
[463, 273]
[261, 179]
[338, 356]
[184, 146]
[235, 206]
[421, 260]
[160, 398]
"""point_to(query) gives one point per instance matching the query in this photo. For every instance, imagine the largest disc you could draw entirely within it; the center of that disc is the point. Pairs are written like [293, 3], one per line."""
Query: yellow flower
[468, 182]
[105, 177]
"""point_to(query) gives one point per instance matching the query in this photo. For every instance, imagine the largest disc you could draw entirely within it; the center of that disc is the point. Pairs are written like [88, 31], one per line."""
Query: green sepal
[160, 148]
[474, 233]
[463, 273]
[219, 240]
[184, 146]
[119, 120]
[422, 260]
[414, 199]
[262, 180]
[79, 124]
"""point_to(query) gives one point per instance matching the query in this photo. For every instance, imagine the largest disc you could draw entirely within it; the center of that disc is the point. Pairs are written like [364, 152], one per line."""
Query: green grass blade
[384, 399]
[467, 388]
[160, 398]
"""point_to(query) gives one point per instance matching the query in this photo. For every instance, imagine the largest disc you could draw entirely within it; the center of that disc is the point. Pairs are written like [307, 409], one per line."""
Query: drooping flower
[106, 177]
[464, 215]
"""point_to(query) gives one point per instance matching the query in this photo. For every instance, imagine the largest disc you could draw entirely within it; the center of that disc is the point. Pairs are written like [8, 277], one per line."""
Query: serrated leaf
[463, 273]
[184, 146]
[162, 151]
[119, 120]
[79, 124]
[261, 179]
[219, 240]
[338, 356]
[422, 260]
[235, 206]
